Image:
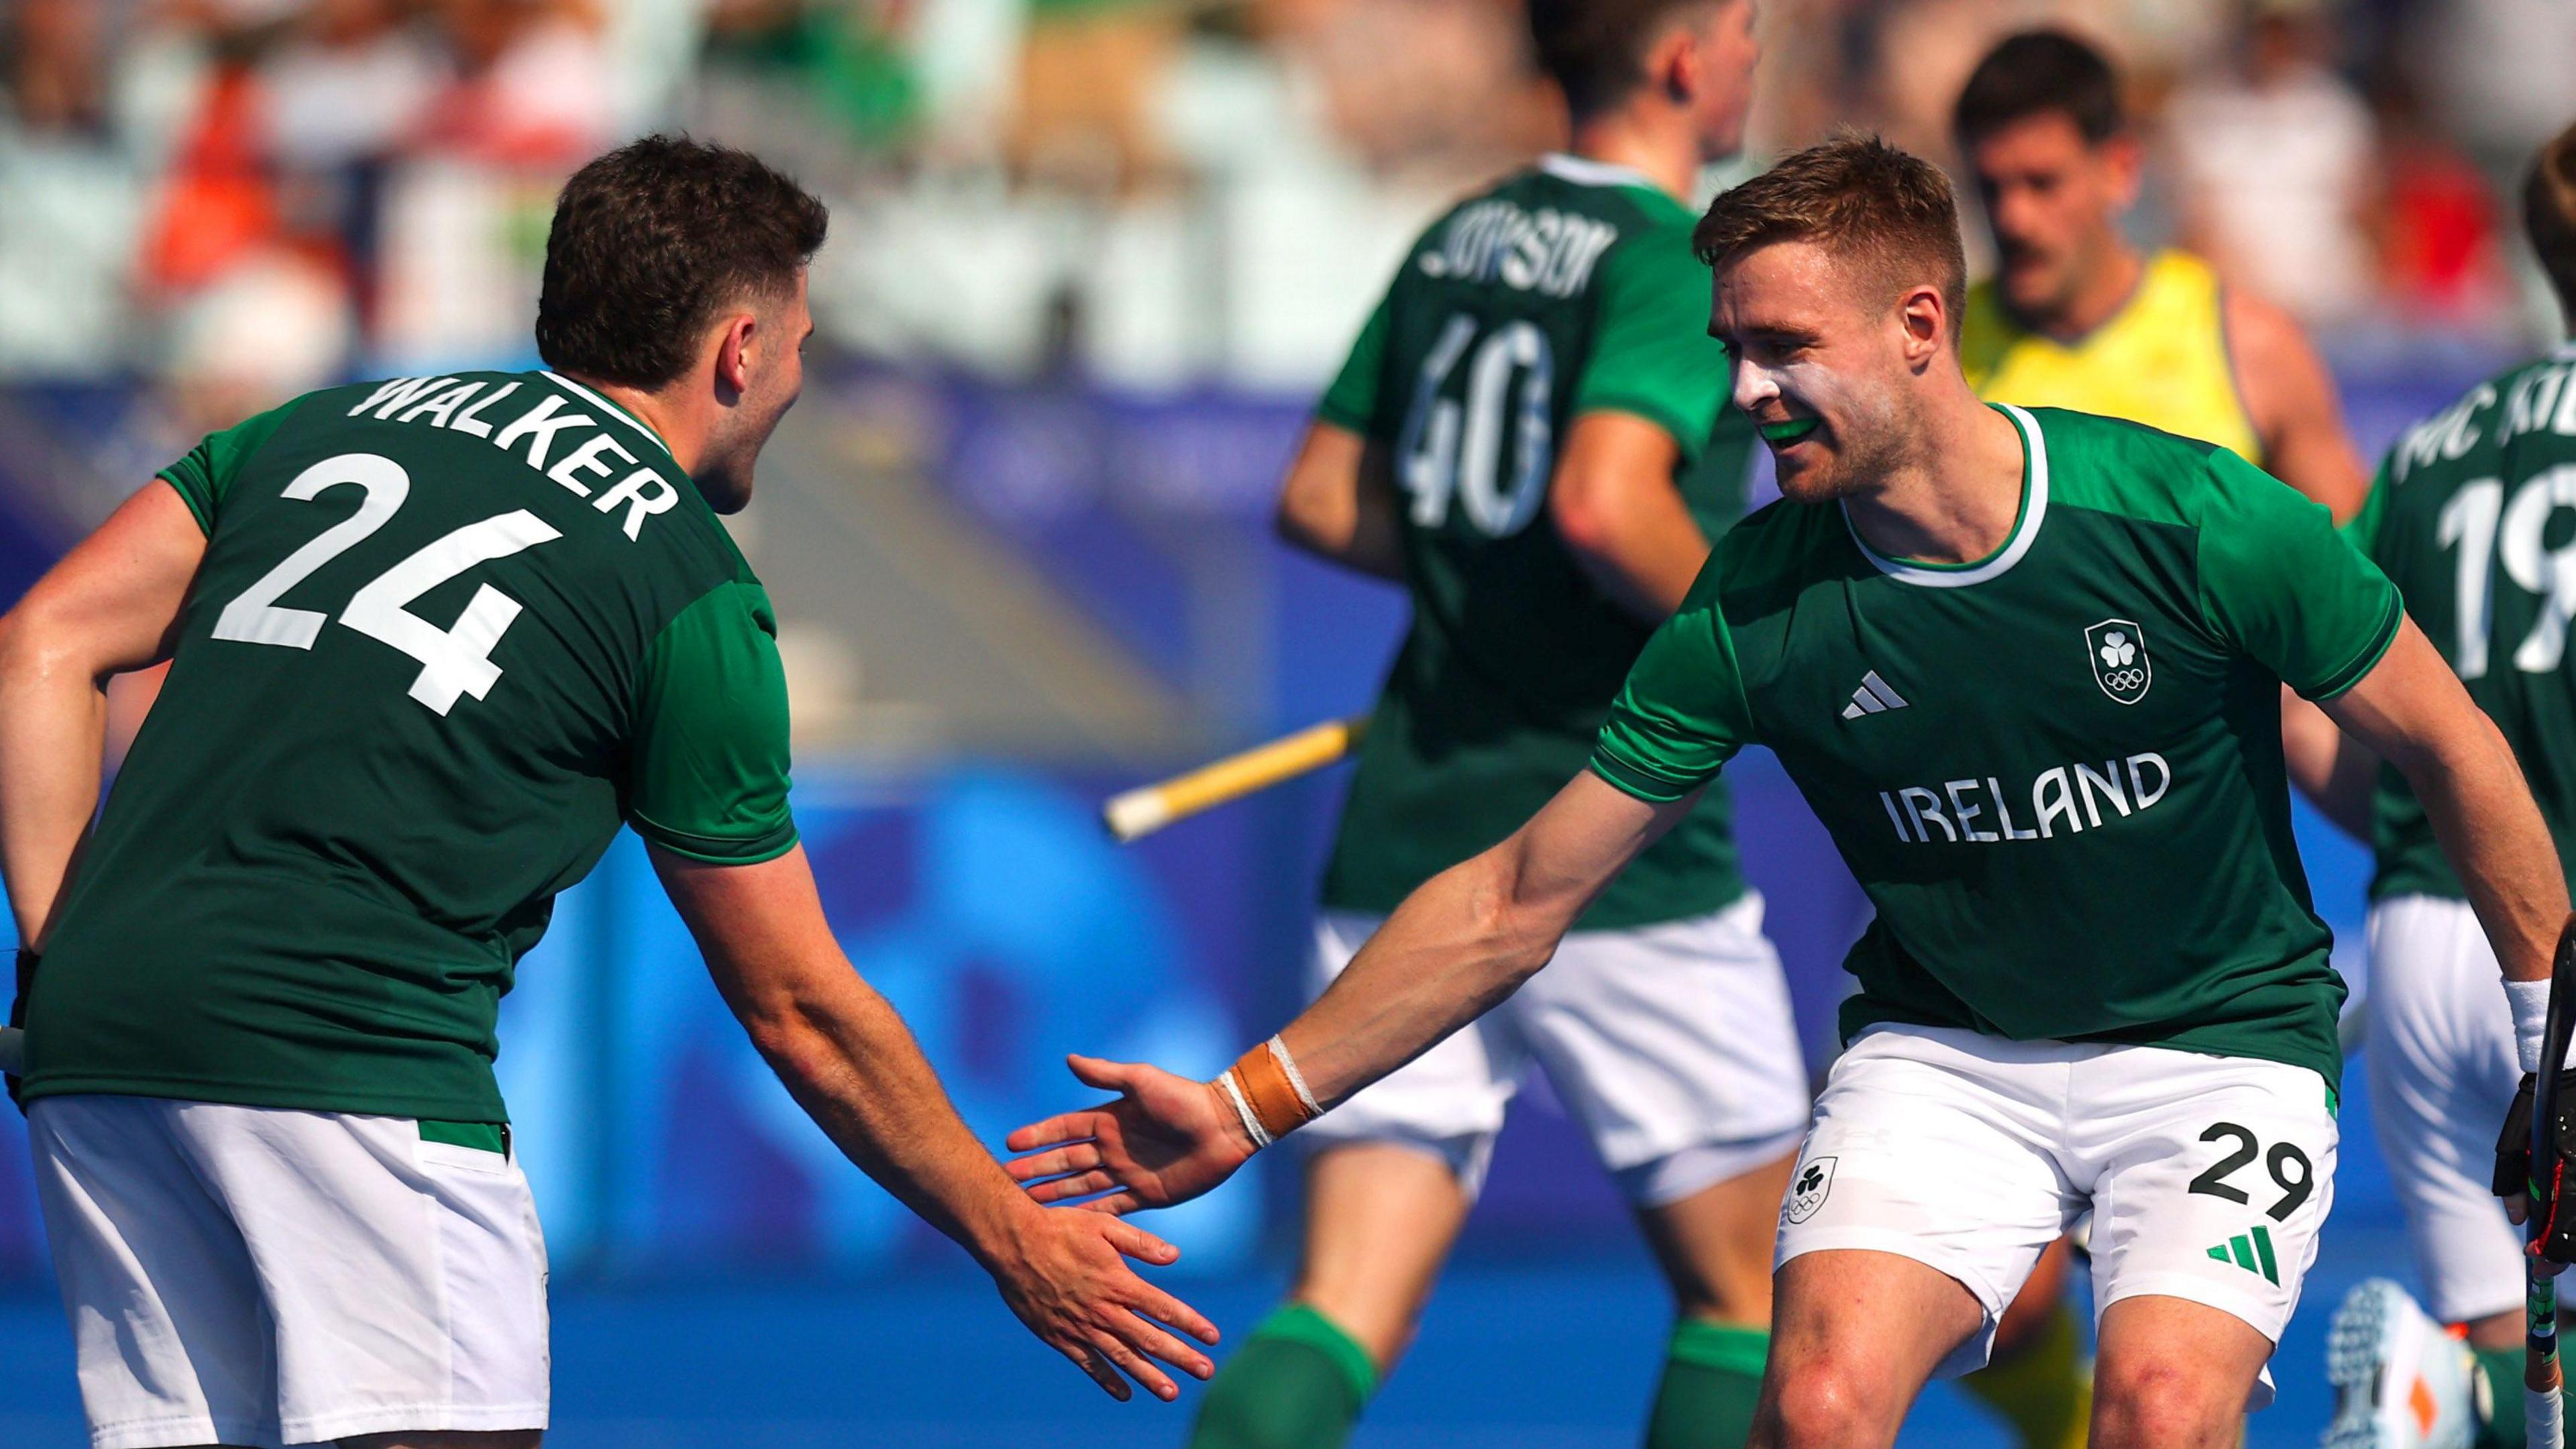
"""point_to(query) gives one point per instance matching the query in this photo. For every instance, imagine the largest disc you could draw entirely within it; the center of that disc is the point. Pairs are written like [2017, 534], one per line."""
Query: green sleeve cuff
[2368, 659]
[714, 849]
[1628, 779]
[207, 472]
[192, 491]
[1346, 418]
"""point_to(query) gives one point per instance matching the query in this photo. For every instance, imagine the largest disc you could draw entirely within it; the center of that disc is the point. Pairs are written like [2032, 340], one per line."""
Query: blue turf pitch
[1510, 1356]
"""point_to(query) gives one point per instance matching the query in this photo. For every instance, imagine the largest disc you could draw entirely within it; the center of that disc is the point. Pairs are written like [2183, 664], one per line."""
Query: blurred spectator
[49, 52]
[532, 85]
[67, 197]
[2500, 74]
[2275, 166]
[1435, 85]
[2440, 255]
[352, 84]
[1088, 71]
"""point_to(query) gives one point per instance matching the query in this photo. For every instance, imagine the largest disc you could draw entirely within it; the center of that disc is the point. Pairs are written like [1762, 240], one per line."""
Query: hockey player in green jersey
[2025, 665]
[432, 642]
[2462, 518]
[1522, 438]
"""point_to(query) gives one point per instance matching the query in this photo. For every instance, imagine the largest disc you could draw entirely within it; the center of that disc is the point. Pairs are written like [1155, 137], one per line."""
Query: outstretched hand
[1066, 1276]
[1165, 1140]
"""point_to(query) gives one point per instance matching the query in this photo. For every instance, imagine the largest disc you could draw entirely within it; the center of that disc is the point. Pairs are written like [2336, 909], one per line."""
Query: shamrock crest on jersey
[2118, 648]
[1814, 1182]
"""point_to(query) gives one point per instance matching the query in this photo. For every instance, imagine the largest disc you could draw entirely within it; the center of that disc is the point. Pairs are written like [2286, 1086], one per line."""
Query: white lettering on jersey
[539, 425]
[2067, 798]
[2449, 433]
[581, 468]
[1549, 251]
[469, 420]
[645, 493]
[400, 393]
[586, 459]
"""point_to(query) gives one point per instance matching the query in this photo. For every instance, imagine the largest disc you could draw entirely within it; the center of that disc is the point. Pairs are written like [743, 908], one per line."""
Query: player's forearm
[851, 1063]
[53, 725]
[1458, 945]
[1615, 505]
[1645, 564]
[1359, 537]
[1337, 505]
[2482, 813]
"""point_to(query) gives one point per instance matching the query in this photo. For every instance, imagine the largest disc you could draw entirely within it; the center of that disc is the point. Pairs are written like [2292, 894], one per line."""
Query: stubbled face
[1726, 51]
[1820, 366]
[774, 361]
[2054, 200]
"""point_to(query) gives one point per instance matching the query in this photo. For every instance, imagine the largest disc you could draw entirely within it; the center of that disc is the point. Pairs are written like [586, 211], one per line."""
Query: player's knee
[2149, 1404]
[1826, 1402]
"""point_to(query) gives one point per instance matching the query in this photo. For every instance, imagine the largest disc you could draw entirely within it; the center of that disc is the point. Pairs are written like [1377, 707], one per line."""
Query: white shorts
[258, 1276]
[1672, 1044]
[2442, 1072]
[2207, 1177]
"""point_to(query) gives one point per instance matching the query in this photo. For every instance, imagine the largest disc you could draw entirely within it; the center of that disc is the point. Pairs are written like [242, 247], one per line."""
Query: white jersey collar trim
[1593, 173]
[2034, 510]
[593, 397]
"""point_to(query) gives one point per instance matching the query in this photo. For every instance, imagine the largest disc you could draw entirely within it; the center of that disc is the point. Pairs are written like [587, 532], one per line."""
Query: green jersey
[1566, 289]
[449, 632]
[2469, 516]
[2056, 771]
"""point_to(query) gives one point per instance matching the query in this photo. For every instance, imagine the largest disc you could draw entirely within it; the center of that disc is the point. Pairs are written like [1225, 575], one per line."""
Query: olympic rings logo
[2124, 680]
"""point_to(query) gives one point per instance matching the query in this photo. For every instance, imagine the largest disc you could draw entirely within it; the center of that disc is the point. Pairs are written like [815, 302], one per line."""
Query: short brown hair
[2040, 72]
[1858, 197]
[1596, 49]
[650, 240]
[2549, 216]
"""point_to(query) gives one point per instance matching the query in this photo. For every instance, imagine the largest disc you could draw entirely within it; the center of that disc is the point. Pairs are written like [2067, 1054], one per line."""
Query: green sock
[2042, 1391]
[2502, 1369]
[1712, 1377]
[1298, 1382]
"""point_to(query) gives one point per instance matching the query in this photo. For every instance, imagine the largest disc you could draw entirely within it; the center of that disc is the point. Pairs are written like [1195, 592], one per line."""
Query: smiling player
[2025, 664]
[433, 642]
[1522, 438]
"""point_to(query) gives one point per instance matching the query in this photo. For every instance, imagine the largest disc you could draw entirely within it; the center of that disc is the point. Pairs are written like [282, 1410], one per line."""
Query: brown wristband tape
[1266, 1088]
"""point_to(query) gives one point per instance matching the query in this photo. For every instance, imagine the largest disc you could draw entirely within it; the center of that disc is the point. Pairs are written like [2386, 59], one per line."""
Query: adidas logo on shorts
[2253, 1256]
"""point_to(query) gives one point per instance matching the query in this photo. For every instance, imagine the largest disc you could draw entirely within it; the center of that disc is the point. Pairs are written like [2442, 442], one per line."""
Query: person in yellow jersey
[2077, 316]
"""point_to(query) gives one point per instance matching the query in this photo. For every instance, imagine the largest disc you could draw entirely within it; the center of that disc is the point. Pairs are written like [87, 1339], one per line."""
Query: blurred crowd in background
[244, 198]
[1090, 261]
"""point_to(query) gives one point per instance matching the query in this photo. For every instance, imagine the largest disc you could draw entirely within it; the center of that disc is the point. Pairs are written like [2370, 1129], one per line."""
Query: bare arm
[2335, 771]
[2291, 399]
[1338, 502]
[1615, 505]
[111, 605]
[2413, 713]
[1460, 943]
[856, 1070]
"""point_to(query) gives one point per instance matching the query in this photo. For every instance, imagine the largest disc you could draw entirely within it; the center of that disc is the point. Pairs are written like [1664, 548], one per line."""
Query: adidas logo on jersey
[1873, 697]
[2253, 1256]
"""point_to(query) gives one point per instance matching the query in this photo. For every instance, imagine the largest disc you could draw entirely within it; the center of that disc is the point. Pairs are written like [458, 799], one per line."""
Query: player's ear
[2124, 162]
[733, 355]
[1923, 317]
[1675, 66]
